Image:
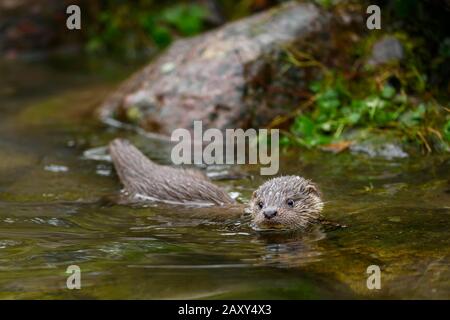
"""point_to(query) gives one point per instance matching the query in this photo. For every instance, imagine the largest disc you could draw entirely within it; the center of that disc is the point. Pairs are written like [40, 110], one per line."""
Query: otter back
[142, 177]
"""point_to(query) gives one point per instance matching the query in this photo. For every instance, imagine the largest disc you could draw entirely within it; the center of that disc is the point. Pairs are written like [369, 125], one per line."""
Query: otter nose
[269, 213]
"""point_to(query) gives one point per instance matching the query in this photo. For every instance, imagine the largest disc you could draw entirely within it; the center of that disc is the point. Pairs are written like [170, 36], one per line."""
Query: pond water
[53, 214]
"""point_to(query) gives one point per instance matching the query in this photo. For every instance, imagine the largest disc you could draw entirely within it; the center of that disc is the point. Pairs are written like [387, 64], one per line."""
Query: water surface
[54, 212]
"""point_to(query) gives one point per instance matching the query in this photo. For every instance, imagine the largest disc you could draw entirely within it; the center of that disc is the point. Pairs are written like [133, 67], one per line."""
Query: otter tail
[131, 165]
[141, 176]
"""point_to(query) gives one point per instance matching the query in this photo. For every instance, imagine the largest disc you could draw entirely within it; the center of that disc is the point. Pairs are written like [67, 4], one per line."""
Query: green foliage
[187, 19]
[413, 117]
[400, 97]
[403, 8]
[325, 3]
[447, 130]
[337, 109]
[126, 29]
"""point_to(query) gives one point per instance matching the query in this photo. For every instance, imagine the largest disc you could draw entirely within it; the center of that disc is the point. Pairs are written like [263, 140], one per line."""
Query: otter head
[288, 202]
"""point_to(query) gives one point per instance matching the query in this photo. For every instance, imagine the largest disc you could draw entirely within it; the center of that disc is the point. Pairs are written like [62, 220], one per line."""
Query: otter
[286, 202]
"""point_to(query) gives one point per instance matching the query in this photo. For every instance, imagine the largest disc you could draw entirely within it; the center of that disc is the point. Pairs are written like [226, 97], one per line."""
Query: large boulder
[235, 76]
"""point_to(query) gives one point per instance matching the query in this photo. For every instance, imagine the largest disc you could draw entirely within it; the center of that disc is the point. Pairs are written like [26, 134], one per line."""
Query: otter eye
[260, 204]
[290, 202]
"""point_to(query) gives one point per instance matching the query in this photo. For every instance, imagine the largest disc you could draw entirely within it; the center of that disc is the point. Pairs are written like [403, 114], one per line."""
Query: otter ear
[312, 188]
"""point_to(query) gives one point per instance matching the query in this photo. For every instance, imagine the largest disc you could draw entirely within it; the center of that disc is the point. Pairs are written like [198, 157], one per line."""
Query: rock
[388, 150]
[386, 145]
[234, 76]
[386, 50]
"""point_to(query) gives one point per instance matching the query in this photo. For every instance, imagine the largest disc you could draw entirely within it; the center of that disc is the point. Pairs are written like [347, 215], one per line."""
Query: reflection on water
[55, 212]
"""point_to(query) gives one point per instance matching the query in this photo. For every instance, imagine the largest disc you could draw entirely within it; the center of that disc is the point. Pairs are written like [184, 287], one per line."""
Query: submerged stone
[386, 145]
[388, 150]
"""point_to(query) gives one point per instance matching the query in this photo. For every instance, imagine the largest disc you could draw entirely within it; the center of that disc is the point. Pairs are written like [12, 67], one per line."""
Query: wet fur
[142, 178]
[275, 193]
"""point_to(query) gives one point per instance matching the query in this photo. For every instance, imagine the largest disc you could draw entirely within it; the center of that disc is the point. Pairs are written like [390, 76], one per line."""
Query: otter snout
[269, 213]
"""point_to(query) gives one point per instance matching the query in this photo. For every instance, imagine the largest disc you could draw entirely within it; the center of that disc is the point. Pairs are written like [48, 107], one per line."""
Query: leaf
[285, 141]
[315, 86]
[373, 104]
[188, 19]
[329, 104]
[413, 117]
[447, 130]
[388, 92]
[304, 126]
[353, 118]
[383, 117]
[161, 36]
[327, 126]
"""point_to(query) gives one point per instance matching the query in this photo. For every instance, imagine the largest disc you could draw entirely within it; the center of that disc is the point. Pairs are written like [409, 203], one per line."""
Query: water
[53, 213]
